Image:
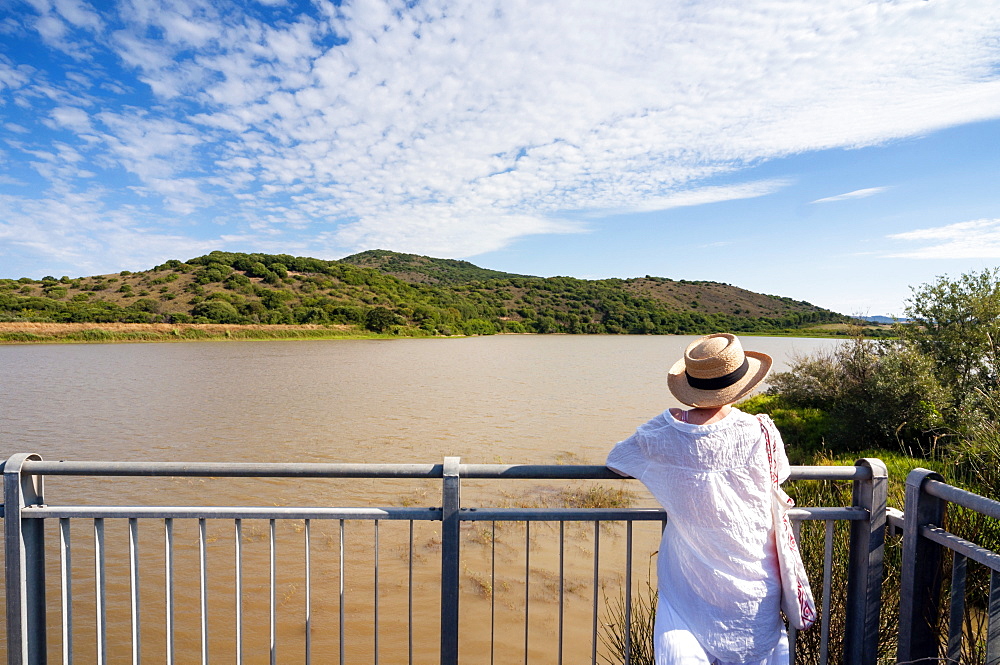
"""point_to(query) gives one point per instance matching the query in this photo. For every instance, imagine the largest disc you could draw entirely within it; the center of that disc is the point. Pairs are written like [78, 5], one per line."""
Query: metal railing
[925, 541]
[31, 618]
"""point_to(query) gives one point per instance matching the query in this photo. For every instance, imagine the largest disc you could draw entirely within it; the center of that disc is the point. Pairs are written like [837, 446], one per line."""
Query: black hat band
[720, 382]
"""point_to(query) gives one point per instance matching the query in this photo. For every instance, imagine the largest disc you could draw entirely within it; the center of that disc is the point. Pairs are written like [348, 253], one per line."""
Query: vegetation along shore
[379, 293]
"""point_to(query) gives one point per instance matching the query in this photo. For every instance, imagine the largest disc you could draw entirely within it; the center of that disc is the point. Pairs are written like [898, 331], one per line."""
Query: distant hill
[383, 291]
[418, 269]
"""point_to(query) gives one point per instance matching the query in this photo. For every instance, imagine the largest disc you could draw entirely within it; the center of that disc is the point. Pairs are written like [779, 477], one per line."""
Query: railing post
[451, 506]
[25, 571]
[865, 566]
[920, 580]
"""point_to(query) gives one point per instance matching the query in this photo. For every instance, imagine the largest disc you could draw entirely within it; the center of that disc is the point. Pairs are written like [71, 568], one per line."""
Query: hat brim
[760, 365]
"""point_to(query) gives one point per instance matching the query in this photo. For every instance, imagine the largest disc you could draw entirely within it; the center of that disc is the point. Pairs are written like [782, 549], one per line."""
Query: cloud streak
[456, 128]
[976, 239]
[856, 194]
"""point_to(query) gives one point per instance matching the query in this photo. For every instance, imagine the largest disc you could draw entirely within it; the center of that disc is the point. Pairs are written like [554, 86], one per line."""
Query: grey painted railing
[924, 544]
[26, 510]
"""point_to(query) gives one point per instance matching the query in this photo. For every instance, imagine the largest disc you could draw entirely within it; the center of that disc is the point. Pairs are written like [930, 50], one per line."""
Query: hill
[381, 291]
[418, 269]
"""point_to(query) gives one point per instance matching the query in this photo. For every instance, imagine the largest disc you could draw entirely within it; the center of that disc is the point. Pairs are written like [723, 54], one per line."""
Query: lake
[510, 399]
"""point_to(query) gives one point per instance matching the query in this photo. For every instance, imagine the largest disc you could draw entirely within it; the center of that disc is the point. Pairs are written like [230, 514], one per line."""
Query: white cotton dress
[717, 571]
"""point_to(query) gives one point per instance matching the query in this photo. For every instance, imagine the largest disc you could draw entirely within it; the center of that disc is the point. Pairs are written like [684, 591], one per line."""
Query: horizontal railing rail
[27, 510]
[324, 470]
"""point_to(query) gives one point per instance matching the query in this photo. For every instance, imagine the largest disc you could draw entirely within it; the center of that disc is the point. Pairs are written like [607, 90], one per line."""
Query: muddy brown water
[508, 399]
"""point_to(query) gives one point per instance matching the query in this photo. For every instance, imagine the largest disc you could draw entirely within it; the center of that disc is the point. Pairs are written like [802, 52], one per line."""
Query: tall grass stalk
[640, 634]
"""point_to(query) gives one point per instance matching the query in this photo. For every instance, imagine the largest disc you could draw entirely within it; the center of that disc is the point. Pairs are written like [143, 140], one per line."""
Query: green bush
[216, 311]
[379, 319]
[876, 393]
[803, 429]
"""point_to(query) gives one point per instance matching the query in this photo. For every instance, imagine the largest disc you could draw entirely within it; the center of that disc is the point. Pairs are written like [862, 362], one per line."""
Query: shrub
[145, 305]
[478, 327]
[379, 319]
[877, 394]
[216, 311]
[238, 282]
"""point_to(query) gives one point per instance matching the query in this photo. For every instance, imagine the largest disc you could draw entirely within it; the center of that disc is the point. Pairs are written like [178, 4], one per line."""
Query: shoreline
[28, 332]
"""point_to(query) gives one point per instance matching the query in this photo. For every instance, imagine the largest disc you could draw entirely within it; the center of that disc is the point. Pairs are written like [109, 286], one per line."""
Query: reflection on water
[524, 399]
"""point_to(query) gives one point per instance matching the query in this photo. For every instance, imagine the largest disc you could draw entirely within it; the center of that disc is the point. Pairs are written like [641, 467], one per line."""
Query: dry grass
[213, 328]
[14, 332]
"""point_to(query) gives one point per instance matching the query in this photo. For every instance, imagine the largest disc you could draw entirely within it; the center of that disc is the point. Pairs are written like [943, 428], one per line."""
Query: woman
[718, 580]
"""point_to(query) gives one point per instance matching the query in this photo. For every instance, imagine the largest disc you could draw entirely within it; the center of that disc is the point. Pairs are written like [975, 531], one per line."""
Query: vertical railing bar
[527, 585]
[203, 575]
[493, 589]
[562, 586]
[866, 566]
[920, 573]
[133, 550]
[956, 608]
[993, 627]
[24, 550]
[238, 556]
[376, 591]
[409, 601]
[792, 633]
[341, 592]
[597, 556]
[824, 636]
[273, 630]
[66, 573]
[100, 582]
[628, 592]
[307, 546]
[168, 580]
[451, 558]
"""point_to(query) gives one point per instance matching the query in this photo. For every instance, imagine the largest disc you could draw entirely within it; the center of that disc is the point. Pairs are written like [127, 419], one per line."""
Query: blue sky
[838, 152]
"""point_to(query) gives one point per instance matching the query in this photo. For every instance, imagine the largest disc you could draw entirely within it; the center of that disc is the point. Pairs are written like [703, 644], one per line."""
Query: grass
[21, 332]
[597, 496]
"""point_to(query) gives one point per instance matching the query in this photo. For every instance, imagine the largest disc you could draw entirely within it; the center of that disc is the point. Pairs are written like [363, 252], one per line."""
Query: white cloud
[13, 77]
[856, 194]
[976, 239]
[705, 195]
[72, 118]
[78, 14]
[459, 127]
[76, 229]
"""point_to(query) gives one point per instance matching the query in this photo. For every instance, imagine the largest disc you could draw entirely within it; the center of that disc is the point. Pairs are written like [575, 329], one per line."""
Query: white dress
[717, 569]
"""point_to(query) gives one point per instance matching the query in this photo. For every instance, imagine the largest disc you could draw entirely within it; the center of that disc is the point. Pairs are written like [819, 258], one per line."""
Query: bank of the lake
[27, 332]
[30, 332]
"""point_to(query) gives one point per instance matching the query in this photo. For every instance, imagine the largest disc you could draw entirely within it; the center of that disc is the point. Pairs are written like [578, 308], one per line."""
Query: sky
[839, 152]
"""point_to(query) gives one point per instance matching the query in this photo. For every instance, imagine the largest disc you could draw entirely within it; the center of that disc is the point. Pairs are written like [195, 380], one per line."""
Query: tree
[957, 324]
[379, 319]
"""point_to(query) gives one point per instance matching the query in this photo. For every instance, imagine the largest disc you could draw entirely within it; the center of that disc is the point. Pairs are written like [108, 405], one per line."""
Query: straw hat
[715, 371]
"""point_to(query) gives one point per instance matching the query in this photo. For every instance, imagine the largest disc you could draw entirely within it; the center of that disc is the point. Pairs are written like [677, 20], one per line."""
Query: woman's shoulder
[744, 417]
[663, 422]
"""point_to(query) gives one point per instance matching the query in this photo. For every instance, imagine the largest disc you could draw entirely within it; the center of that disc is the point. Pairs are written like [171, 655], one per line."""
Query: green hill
[418, 269]
[384, 291]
